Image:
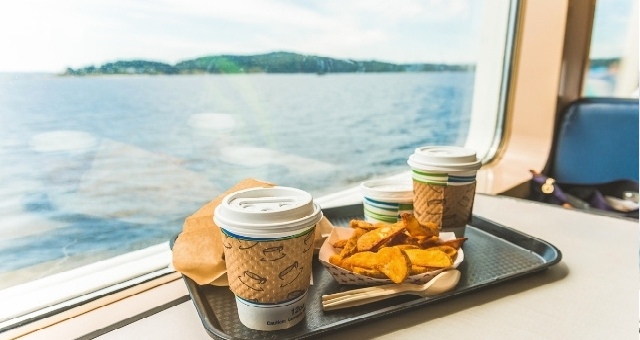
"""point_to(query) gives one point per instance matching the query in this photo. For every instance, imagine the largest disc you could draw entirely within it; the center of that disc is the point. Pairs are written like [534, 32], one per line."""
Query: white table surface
[591, 294]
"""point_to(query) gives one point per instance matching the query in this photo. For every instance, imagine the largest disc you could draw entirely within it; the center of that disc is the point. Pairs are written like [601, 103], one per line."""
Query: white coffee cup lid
[451, 158]
[392, 190]
[267, 212]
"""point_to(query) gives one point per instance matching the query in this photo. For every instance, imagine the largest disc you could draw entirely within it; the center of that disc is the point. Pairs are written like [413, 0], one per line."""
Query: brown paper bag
[197, 252]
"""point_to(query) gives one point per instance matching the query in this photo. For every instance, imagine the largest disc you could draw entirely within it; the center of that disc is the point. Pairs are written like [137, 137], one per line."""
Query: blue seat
[597, 142]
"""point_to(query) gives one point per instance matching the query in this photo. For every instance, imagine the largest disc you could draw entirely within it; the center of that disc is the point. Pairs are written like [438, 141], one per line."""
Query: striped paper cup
[444, 182]
[385, 200]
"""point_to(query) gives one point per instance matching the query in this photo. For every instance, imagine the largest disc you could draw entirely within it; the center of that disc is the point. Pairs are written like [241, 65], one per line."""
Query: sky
[49, 36]
[611, 25]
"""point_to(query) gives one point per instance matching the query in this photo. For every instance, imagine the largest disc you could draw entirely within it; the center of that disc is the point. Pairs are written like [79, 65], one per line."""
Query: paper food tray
[346, 277]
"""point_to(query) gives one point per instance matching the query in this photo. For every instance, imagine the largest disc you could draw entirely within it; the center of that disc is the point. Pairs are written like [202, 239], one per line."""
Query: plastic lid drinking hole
[267, 212]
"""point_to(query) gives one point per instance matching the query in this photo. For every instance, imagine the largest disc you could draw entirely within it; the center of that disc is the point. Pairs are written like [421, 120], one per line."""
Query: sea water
[97, 166]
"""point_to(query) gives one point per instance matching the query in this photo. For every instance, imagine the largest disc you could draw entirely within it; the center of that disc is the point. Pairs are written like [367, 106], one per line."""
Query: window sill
[64, 291]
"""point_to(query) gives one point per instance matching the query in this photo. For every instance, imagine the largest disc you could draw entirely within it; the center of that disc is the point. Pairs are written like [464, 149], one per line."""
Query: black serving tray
[492, 254]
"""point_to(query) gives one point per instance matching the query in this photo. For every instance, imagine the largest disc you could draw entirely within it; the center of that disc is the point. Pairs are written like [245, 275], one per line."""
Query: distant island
[276, 62]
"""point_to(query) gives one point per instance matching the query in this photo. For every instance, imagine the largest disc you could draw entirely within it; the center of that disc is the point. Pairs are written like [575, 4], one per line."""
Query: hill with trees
[276, 62]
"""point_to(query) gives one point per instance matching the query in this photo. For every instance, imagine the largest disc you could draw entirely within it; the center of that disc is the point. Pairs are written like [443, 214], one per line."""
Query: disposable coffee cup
[385, 200]
[444, 184]
[268, 236]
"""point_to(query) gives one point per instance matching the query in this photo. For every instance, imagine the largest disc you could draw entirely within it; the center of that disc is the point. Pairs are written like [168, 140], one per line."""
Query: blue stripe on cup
[246, 238]
[382, 205]
[377, 211]
[461, 179]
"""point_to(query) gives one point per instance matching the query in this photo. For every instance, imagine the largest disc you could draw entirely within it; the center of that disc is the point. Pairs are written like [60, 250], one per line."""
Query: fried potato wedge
[373, 238]
[369, 272]
[450, 251]
[415, 269]
[336, 260]
[340, 243]
[394, 240]
[432, 257]
[406, 246]
[362, 224]
[391, 261]
[351, 246]
[427, 241]
[395, 263]
[455, 243]
[416, 229]
[363, 259]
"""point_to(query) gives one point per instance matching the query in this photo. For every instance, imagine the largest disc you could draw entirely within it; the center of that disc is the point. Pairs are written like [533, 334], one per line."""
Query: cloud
[52, 35]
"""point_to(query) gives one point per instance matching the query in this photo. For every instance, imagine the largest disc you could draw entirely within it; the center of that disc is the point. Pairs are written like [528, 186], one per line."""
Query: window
[119, 120]
[613, 71]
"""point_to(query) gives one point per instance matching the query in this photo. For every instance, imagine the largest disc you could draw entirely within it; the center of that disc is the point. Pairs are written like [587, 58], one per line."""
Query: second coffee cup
[444, 183]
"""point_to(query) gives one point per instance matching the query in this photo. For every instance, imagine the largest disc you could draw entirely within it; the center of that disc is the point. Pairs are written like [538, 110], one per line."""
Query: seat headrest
[597, 142]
